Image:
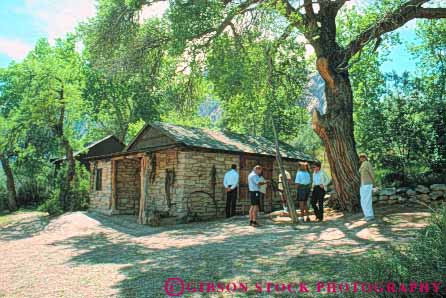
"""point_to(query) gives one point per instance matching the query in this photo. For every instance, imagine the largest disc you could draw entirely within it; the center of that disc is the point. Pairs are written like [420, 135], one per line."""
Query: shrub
[51, 205]
[423, 260]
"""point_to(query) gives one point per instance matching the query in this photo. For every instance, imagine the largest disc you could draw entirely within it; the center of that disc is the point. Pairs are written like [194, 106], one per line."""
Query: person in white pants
[367, 182]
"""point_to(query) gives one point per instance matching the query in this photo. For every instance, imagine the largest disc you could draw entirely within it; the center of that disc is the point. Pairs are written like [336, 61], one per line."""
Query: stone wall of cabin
[128, 185]
[192, 180]
[197, 181]
[188, 197]
[100, 200]
[159, 192]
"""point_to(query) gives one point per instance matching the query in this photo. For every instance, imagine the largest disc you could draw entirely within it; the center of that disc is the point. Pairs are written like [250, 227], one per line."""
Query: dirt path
[88, 255]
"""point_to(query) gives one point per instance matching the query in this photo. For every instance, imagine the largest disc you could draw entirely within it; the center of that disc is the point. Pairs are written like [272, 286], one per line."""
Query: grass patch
[422, 260]
[7, 217]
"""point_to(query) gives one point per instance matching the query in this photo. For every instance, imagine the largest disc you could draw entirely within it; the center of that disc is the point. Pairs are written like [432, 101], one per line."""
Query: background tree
[431, 51]
[52, 101]
[239, 71]
[128, 72]
[5, 154]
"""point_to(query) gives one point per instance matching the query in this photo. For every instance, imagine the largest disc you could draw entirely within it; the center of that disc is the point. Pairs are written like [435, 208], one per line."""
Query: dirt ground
[84, 254]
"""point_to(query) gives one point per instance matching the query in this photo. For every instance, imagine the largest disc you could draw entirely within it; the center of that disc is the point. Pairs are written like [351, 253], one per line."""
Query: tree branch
[227, 21]
[431, 13]
[408, 11]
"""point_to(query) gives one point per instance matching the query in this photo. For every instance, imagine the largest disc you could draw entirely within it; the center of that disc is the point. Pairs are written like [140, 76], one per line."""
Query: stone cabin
[176, 172]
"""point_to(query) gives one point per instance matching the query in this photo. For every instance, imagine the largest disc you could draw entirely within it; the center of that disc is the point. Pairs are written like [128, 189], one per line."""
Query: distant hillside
[315, 93]
[314, 98]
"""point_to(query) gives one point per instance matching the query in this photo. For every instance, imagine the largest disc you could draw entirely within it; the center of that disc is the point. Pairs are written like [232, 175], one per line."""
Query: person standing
[367, 181]
[303, 182]
[320, 184]
[280, 188]
[254, 184]
[230, 183]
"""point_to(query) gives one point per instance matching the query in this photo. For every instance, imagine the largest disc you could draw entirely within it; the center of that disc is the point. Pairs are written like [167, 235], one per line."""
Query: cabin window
[98, 179]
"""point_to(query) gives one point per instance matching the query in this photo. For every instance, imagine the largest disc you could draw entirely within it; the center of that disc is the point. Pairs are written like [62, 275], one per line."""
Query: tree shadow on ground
[24, 228]
[125, 224]
[230, 252]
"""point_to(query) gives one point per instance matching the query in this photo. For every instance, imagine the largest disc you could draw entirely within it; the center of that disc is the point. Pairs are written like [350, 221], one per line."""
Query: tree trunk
[69, 154]
[10, 184]
[335, 128]
[69, 177]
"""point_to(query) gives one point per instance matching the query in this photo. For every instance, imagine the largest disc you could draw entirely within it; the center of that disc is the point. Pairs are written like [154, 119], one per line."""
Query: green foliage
[244, 73]
[43, 104]
[432, 72]
[396, 129]
[51, 205]
[201, 16]
[400, 120]
[79, 192]
[422, 261]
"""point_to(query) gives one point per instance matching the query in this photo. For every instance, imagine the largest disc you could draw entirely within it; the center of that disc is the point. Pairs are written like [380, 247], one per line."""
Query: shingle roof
[88, 146]
[225, 141]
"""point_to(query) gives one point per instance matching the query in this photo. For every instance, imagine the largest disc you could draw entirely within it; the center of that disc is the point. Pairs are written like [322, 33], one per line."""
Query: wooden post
[142, 200]
[113, 186]
[286, 187]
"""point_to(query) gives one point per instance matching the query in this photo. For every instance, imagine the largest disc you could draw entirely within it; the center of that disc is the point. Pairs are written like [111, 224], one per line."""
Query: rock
[402, 200]
[402, 190]
[394, 197]
[424, 198]
[422, 189]
[375, 199]
[438, 187]
[387, 191]
[435, 195]
[413, 200]
[383, 198]
[411, 193]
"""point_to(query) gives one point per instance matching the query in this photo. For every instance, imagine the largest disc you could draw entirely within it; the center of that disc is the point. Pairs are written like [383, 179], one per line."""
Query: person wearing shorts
[254, 183]
[303, 182]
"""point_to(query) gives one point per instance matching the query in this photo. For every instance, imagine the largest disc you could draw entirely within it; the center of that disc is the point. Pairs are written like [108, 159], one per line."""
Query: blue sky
[23, 22]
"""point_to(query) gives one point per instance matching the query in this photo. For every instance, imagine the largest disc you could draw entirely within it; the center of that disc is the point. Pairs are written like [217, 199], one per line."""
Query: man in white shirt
[254, 184]
[320, 184]
[230, 183]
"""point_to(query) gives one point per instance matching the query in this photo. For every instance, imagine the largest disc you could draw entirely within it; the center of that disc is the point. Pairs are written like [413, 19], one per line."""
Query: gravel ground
[87, 255]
